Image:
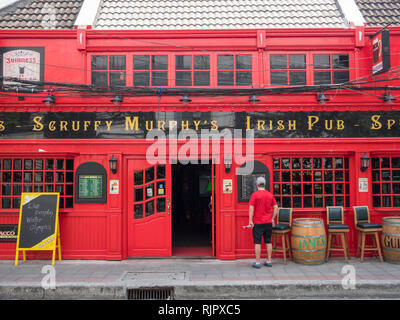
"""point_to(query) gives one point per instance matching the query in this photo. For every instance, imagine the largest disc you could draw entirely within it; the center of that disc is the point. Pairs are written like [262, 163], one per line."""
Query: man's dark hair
[262, 185]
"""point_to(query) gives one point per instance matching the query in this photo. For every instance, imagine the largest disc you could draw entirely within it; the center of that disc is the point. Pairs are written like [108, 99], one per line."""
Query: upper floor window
[108, 70]
[234, 70]
[150, 70]
[331, 68]
[192, 70]
[288, 69]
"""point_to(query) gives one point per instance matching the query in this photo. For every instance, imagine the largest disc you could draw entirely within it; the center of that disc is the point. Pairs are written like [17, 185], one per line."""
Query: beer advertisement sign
[381, 52]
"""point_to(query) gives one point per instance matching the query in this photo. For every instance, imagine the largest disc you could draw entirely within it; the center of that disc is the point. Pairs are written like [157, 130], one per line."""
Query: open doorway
[191, 210]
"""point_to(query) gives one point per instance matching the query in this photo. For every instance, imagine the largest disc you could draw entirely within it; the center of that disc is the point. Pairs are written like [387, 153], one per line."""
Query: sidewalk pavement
[200, 279]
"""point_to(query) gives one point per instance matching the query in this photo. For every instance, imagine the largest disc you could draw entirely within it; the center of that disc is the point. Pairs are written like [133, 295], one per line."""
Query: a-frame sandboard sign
[38, 226]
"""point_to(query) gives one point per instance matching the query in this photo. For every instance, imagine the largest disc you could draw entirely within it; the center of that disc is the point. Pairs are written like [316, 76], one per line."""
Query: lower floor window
[386, 182]
[311, 182]
[18, 175]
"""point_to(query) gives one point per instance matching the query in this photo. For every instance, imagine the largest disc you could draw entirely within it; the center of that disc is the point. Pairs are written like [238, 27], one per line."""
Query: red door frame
[125, 195]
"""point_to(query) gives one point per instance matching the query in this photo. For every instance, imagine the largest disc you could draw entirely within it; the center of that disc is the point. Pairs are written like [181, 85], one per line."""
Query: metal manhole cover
[154, 276]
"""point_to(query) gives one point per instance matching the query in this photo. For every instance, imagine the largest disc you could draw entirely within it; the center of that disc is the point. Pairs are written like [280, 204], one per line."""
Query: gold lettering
[376, 125]
[340, 124]
[248, 123]
[86, 124]
[260, 124]
[63, 125]
[196, 124]
[280, 125]
[52, 126]
[74, 127]
[161, 125]
[2, 127]
[129, 123]
[38, 124]
[185, 125]
[108, 124]
[214, 125]
[390, 123]
[328, 127]
[292, 124]
[312, 120]
[147, 125]
[96, 125]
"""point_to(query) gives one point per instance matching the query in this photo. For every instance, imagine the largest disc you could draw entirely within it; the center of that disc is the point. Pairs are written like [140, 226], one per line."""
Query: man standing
[262, 212]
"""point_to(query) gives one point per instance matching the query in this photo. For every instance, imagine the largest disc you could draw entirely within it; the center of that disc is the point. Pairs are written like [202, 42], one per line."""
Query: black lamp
[117, 100]
[253, 99]
[387, 97]
[322, 97]
[228, 163]
[185, 99]
[49, 100]
[364, 162]
[113, 164]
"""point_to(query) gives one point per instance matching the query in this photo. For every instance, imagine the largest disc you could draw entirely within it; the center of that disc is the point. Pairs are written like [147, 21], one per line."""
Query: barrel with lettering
[308, 241]
[390, 239]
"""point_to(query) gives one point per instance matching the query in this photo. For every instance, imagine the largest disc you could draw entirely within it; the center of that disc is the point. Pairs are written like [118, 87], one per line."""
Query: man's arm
[274, 214]
[251, 213]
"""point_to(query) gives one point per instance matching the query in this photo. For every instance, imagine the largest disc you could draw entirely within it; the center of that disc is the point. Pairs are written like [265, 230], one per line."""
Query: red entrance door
[149, 215]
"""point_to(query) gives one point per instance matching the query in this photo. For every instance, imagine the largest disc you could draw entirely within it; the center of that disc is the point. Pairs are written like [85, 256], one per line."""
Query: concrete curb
[262, 290]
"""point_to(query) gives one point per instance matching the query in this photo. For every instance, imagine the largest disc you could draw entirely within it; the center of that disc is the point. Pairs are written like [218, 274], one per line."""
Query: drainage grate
[164, 293]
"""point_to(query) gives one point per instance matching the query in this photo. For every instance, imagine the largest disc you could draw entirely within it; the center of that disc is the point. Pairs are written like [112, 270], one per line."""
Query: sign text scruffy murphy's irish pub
[128, 125]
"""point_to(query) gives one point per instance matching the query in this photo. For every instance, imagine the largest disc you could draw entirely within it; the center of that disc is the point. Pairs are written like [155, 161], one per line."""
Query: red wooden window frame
[288, 69]
[312, 182]
[108, 70]
[331, 68]
[386, 181]
[143, 183]
[193, 70]
[35, 174]
[151, 70]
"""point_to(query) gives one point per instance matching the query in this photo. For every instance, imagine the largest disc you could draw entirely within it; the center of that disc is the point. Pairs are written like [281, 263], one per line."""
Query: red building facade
[309, 150]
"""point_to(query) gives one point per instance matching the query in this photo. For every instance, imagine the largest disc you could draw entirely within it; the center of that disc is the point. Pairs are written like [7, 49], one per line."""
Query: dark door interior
[191, 207]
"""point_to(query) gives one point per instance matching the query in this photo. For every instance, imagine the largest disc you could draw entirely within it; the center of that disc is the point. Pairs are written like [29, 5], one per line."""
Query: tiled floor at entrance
[192, 251]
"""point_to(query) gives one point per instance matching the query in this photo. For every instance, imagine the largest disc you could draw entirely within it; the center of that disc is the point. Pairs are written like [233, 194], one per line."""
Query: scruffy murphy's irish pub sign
[119, 125]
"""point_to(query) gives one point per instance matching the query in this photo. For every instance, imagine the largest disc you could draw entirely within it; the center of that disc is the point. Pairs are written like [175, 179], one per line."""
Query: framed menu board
[247, 183]
[90, 186]
[90, 183]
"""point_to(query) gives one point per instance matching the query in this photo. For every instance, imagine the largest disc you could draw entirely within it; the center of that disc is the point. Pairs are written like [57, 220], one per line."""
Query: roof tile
[380, 12]
[39, 14]
[218, 14]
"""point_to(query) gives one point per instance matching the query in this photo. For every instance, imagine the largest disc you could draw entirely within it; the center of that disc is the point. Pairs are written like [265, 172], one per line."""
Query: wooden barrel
[308, 241]
[390, 239]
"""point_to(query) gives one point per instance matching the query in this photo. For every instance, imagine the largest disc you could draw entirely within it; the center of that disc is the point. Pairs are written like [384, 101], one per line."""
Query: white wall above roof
[88, 13]
[351, 12]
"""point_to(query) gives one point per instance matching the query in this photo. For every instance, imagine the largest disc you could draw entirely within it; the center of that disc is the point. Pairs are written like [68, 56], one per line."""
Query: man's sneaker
[256, 265]
[268, 264]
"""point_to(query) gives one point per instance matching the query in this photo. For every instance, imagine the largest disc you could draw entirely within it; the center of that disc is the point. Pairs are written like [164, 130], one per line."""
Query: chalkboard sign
[246, 184]
[38, 223]
[249, 185]
[90, 186]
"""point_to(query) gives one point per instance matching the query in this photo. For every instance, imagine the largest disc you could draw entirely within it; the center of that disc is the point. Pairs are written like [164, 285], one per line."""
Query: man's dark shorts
[262, 230]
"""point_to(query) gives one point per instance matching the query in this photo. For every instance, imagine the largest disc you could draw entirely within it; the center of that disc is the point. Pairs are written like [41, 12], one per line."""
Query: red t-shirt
[263, 202]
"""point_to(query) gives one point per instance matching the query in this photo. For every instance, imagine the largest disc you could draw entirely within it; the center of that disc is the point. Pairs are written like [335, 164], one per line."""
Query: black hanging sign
[381, 52]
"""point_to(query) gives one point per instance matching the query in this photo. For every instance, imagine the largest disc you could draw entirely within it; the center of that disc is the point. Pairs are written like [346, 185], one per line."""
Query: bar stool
[282, 229]
[364, 228]
[336, 227]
